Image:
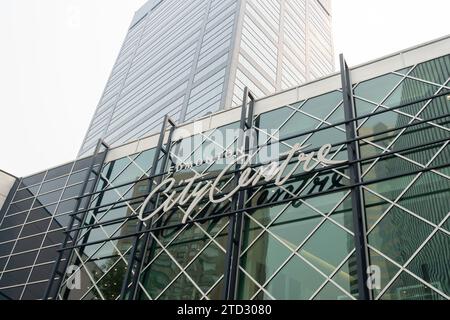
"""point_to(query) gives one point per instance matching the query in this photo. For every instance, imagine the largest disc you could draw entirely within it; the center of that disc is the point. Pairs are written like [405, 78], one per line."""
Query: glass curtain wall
[408, 213]
[298, 239]
[32, 229]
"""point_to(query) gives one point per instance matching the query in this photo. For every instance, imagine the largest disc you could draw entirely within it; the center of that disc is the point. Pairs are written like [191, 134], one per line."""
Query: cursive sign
[249, 177]
[264, 196]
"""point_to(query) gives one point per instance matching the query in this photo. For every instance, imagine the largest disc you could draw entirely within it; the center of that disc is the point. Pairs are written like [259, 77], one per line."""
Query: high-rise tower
[189, 58]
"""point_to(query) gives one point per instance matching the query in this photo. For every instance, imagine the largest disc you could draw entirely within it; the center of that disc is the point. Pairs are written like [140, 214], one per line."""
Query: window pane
[408, 288]
[376, 90]
[399, 235]
[432, 264]
[437, 70]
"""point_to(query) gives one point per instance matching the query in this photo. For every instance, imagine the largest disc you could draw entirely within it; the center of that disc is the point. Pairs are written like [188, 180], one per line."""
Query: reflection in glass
[408, 288]
[432, 263]
[399, 235]
[436, 70]
[296, 281]
[376, 90]
[331, 292]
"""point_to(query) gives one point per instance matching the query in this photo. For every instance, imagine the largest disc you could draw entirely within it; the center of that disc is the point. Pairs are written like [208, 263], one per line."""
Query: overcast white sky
[56, 56]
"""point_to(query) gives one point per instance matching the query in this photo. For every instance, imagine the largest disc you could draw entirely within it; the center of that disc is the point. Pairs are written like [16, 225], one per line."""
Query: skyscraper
[190, 58]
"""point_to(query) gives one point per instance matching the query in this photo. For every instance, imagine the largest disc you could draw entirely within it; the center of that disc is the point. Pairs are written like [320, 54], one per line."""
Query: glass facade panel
[31, 238]
[435, 71]
[324, 256]
[297, 235]
[331, 292]
[432, 263]
[346, 279]
[322, 106]
[407, 208]
[410, 91]
[377, 90]
[399, 235]
[296, 281]
[407, 287]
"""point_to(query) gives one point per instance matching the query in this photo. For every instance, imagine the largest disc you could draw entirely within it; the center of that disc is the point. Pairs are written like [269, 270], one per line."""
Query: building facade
[349, 186]
[191, 58]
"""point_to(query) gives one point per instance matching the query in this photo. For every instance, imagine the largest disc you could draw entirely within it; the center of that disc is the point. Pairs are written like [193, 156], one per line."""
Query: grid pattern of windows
[176, 48]
[103, 266]
[408, 231]
[301, 249]
[208, 86]
[283, 43]
[300, 244]
[297, 238]
[184, 58]
[32, 229]
[320, 59]
[188, 262]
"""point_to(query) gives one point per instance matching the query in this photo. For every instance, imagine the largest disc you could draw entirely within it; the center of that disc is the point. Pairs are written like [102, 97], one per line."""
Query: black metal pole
[56, 272]
[235, 228]
[148, 241]
[136, 260]
[359, 219]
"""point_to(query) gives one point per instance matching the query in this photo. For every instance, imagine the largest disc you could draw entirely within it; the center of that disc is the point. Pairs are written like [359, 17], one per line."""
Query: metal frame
[280, 202]
[359, 217]
[386, 154]
[72, 233]
[143, 237]
[142, 242]
[322, 128]
[235, 228]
